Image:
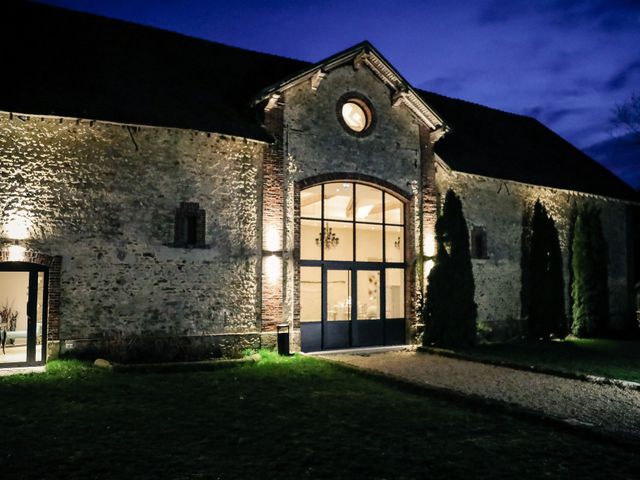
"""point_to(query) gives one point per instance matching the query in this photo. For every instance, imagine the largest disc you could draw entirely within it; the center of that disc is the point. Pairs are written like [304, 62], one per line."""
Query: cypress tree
[450, 312]
[589, 291]
[525, 262]
[543, 282]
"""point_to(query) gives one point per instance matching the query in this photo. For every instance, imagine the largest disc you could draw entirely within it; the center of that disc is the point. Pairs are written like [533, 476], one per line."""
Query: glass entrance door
[352, 267]
[368, 319]
[23, 314]
[352, 308]
[338, 308]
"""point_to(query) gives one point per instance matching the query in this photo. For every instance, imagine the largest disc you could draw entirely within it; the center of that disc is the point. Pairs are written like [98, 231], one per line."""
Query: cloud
[451, 85]
[622, 78]
[620, 155]
[609, 16]
[550, 116]
[499, 11]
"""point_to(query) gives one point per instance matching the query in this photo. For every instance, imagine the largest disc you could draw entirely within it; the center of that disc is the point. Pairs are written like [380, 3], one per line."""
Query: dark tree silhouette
[450, 311]
[542, 276]
[589, 290]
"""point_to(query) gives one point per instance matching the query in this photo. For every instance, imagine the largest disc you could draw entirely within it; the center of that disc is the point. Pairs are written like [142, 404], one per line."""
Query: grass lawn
[297, 417]
[606, 358]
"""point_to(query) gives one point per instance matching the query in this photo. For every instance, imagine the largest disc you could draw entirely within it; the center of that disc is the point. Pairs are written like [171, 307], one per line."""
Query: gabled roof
[71, 64]
[60, 62]
[493, 143]
[364, 54]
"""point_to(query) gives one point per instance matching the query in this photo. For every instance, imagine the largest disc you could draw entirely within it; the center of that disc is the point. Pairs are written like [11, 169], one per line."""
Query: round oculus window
[355, 114]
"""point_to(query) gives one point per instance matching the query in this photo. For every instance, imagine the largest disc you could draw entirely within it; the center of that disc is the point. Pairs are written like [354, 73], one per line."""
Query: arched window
[352, 266]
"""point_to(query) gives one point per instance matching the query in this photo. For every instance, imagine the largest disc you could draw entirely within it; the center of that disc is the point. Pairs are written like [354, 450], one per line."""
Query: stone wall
[316, 145]
[498, 205]
[103, 197]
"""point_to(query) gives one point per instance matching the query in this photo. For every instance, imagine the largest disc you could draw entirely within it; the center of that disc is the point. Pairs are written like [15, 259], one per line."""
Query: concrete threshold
[360, 350]
[5, 372]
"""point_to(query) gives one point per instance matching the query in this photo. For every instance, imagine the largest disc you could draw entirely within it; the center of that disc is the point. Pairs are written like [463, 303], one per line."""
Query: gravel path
[605, 407]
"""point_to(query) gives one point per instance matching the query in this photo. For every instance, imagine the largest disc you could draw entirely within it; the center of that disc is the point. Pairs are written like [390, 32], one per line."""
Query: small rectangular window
[479, 242]
[190, 225]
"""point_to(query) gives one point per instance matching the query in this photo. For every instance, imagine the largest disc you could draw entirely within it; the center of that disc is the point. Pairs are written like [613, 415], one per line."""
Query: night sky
[565, 62]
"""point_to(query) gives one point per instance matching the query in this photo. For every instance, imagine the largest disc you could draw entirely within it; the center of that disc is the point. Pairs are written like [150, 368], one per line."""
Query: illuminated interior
[355, 116]
[355, 232]
[14, 297]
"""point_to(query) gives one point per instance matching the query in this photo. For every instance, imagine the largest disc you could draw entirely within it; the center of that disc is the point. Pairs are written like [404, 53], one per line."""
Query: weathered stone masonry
[498, 205]
[316, 145]
[103, 197]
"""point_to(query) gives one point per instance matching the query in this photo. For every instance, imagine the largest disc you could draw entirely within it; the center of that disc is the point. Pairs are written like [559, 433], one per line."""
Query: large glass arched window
[352, 248]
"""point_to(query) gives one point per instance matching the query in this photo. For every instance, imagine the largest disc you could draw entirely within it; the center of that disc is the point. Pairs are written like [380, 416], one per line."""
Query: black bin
[283, 339]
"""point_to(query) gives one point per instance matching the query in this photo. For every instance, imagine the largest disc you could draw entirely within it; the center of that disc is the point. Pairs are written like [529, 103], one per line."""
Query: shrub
[542, 276]
[589, 290]
[449, 311]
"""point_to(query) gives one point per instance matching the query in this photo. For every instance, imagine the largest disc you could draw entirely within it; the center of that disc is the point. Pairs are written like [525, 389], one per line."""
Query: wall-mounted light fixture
[429, 253]
[272, 268]
[16, 253]
[18, 225]
[272, 241]
[16, 229]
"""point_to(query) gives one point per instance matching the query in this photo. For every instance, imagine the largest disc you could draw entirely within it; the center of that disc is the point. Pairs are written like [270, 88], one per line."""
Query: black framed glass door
[337, 311]
[353, 307]
[23, 314]
[361, 305]
[352, 267]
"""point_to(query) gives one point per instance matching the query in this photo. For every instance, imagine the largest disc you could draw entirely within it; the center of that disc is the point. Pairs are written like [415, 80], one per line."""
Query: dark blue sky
[565, 62]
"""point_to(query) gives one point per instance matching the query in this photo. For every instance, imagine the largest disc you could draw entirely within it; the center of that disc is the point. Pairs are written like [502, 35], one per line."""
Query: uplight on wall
[272, 268]
[429, 245]
[16, 253]
[429, 253]
[272, 239]
[428, 265]
[17, 227]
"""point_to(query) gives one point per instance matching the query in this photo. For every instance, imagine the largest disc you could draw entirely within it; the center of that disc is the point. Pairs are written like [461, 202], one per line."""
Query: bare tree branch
[627, 116]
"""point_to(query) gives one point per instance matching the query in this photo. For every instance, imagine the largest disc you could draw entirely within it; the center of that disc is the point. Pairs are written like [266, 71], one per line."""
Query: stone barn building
[168, 189]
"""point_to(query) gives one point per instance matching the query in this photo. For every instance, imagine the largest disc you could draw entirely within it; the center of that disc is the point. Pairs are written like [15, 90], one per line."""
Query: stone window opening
[190, 226]
[479, 242]
[356, 114]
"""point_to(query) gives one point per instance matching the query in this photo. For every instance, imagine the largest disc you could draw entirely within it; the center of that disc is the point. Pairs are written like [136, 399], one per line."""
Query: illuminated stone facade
[98, 202]
[320, 149]
[498, 206]
[103, 197]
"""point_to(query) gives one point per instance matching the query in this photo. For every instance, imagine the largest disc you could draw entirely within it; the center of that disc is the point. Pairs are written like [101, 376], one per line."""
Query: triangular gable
[360, 55]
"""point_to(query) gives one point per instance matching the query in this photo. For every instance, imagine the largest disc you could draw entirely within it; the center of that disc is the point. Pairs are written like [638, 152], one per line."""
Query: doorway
[352, 267]
[23, 314]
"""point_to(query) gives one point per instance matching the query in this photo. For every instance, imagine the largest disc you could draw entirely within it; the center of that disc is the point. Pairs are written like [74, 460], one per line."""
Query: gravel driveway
[606, 407]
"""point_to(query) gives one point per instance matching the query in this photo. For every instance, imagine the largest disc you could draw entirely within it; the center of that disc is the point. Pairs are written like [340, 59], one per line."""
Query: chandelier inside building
[331, 240]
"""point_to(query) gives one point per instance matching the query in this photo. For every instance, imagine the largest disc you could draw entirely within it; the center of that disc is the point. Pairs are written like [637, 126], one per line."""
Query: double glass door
[353, 307]
[356, 306]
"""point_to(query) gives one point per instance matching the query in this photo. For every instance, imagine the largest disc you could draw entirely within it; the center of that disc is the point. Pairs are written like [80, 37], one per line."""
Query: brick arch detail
[54, 264]
[353, 177]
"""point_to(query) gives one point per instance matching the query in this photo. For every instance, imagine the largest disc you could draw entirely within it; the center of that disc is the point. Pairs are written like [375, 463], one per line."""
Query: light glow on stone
[429, 245]
[16, 253]
[428, 265]
[17, 228]
[272, 268]
[272, 239]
